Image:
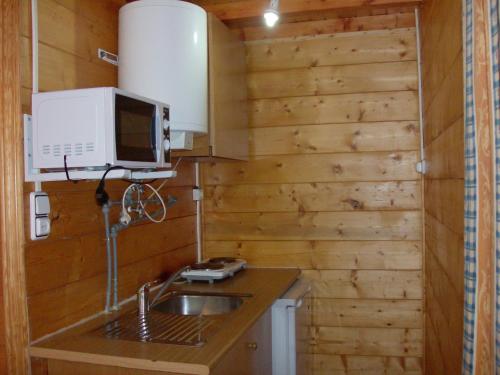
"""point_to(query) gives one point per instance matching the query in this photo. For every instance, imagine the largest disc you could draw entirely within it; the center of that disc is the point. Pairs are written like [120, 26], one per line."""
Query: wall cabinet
[250, 355]
[227, 136]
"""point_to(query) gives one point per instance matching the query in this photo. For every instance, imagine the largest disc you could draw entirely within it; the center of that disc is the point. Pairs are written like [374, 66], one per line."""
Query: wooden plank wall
[13, 312]
[331, 186]
[66, 274]
[444, 184]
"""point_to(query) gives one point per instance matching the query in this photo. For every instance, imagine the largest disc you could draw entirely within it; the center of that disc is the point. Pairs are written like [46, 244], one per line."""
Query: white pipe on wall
[198, 215]
[420, 89]
[34, 44]
[34, 63]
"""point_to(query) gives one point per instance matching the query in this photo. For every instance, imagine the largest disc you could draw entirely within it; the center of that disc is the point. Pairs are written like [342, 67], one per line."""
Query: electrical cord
[101, 196]
[166, 180]
[125, 218]
[67, 172]
[160, 198]
[177, 164]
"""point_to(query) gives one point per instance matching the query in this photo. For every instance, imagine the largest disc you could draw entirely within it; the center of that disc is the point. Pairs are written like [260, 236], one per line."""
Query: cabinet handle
[252, 345]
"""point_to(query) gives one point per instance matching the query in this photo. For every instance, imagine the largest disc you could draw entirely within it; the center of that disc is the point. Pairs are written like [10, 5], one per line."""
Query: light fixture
[272, 15]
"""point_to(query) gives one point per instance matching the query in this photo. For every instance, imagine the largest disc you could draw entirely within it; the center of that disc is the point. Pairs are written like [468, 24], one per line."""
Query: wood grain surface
[235, 9]
[66, 274]
[444, 185]
[331, 187]
[14, 333]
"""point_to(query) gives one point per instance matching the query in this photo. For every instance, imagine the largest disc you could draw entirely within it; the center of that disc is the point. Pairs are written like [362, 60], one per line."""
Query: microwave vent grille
[56, 150]
[89, 147]
[77, 149]
[67, 149]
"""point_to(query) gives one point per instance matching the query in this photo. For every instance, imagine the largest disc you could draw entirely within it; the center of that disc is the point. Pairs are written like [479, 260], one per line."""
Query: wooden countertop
[266, 285]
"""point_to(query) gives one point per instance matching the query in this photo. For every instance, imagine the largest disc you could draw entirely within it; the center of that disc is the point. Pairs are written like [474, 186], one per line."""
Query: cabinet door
[227, 136]
[252, 353]
[227, 92]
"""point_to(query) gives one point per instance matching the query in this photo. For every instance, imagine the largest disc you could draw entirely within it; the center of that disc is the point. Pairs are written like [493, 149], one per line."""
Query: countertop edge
[127, 362]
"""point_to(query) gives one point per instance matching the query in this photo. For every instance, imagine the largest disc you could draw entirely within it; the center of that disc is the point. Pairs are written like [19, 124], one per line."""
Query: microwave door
[135, 130]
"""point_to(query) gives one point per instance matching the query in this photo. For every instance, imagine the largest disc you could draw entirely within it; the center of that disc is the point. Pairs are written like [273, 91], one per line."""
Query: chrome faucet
[143, 292]
[143, 297]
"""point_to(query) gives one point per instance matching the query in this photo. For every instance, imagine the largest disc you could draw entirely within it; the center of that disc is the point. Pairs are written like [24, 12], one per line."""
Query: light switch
[42, 226]
[39, 215]
[42, 205]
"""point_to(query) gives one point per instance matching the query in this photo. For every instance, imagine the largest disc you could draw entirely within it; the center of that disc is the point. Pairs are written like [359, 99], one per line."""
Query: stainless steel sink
[179, 318]
[199, 305]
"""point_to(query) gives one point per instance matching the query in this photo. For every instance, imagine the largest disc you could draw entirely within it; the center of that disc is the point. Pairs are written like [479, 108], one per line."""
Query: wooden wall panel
[13, 312]
[444, 184]
[360, 166]
[348, 226]
[324, 80]
[359, 365]
[317, 139]
[335, 196]
[365, 284]
[318, 255]
[369, 341]
[381, 106]
[368, 313]
[333, 49]
[63, 306]
[331, 188]
[441, 48]
[66, 274]
[441, 108]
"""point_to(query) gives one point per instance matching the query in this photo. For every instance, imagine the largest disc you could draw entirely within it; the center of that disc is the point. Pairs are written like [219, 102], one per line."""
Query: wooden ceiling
[229, 10]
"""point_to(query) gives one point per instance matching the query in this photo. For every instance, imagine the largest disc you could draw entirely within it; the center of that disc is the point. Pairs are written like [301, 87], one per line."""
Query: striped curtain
[470, 185]
[481, 354]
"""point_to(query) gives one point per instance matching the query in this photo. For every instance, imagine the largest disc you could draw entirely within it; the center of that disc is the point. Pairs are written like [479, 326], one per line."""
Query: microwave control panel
[166, 135]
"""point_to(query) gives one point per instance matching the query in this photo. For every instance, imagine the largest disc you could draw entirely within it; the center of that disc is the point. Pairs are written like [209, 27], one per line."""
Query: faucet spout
[143, 293]
[143, 297]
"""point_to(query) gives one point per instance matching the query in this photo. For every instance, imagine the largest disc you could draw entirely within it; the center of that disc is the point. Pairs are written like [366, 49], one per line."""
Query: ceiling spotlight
[272, 15]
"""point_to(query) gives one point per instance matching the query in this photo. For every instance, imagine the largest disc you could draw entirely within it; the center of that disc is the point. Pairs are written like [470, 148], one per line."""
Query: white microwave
[99, 127]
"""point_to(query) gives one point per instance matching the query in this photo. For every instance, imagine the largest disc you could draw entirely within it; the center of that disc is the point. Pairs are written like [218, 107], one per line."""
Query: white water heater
[163, 55]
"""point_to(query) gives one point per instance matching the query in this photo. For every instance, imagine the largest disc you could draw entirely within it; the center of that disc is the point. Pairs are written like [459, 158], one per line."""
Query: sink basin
[180, 318]
[199, 304]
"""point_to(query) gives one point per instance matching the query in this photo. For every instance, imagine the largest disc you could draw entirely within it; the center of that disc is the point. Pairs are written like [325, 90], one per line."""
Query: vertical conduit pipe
[420, 92]
[423, 166]
[114, 235]
[34, 44]
[198, 215]
[34, 59]
[105, 212]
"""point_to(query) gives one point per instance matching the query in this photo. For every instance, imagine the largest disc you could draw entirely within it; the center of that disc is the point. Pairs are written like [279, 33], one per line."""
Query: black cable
[67, 172]
[101, 196]
[139, 182]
